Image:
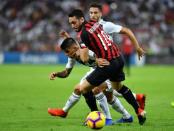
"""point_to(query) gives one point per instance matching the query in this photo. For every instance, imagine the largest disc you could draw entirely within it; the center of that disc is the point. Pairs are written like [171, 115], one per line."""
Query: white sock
[117, 106]
[115, 93]
[101, 99]
[73, 99]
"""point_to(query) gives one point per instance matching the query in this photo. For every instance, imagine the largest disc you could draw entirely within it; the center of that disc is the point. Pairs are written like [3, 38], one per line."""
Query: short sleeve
[110, 28]
[71, 62]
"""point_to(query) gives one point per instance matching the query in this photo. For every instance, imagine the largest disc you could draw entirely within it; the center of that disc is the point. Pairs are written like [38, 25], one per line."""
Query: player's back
[94, 37]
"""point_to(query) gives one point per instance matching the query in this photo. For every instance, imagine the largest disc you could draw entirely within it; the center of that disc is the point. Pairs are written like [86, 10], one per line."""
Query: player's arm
[99, 61]
[134, 41]
[110, 28]
[84, 55]
[64, 34]
[63, 74]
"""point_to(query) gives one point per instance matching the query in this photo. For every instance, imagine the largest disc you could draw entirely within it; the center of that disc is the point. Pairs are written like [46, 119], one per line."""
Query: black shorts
[113, 72]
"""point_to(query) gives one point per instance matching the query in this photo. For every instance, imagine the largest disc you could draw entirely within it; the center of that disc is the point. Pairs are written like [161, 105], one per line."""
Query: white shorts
[109, 89]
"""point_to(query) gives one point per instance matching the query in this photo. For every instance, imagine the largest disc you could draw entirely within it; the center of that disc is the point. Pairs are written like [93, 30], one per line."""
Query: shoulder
[102, 22]
[84, 32]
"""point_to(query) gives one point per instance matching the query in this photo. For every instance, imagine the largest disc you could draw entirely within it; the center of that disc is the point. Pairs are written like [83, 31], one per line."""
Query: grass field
[26, 93]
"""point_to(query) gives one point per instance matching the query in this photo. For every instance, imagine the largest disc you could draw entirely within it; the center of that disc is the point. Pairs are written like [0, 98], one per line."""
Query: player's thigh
[102, 87]
[87, 74]
[116, 70]
[98, 76]
[85, 86]
[116, 85]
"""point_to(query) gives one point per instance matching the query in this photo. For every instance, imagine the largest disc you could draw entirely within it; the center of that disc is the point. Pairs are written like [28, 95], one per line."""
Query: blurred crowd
[33, 25]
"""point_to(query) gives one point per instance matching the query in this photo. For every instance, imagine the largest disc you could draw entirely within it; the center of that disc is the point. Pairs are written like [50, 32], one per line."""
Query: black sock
[127, 94]
[91, 101]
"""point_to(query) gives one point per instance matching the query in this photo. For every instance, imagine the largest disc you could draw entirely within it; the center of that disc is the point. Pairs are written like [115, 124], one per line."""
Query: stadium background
[29, 28]
[29, 51]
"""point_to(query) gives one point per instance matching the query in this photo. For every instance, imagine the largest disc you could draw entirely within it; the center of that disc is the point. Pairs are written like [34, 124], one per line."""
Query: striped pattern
[100, 43]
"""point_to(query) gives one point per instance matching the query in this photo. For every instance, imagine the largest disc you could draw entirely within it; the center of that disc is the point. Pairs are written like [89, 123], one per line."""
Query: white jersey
[91, 63]
[110, 27]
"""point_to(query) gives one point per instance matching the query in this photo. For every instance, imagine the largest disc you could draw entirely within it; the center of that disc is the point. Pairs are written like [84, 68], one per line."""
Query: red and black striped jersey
[93, 36]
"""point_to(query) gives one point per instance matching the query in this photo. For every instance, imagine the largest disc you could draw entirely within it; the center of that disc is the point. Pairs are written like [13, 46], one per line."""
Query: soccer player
[94, 38]
[95, 13]
[73, 99]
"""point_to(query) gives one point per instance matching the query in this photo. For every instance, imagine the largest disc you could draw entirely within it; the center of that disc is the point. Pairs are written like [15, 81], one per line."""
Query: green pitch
[26, 93]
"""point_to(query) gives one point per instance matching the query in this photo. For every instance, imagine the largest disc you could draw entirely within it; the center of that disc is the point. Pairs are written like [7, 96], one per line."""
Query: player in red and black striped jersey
[94, 38]
[97, 40]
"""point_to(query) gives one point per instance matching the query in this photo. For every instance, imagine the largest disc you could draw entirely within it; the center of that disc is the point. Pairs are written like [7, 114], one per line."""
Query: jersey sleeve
[71, 62]
[110, 28]
[85, 41]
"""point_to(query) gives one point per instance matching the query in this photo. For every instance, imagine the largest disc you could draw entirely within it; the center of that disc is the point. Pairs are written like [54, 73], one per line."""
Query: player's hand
[53, 75]
[102, 62]
[64, 34]
[140, 52]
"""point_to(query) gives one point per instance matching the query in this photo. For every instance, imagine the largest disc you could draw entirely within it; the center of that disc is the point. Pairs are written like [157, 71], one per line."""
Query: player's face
[95, 13]
[76, 23]
[72, 51]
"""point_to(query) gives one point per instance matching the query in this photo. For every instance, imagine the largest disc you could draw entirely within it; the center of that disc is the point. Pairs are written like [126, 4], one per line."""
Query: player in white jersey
[95, 12]
[116, 104]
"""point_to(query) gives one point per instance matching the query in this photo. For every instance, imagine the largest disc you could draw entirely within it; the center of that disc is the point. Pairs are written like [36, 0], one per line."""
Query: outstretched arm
[64, 34]
[63, 74]
[134, 41]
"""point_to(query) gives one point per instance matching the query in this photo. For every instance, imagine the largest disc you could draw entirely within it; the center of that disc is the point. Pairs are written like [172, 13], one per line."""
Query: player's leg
[89, 96]
[140, 98]
[102, 101]
[116, 76]
[90, 100]
[116, 104]
[73, 99]
[115, 93]
[85, 86]
[127, 94]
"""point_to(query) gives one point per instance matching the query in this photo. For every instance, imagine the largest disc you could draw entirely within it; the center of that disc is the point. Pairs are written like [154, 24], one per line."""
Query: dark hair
[95, 5]
[67, 43]
[77, 13]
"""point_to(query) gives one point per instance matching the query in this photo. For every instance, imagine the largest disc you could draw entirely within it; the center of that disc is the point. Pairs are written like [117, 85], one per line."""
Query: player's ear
[82, 19]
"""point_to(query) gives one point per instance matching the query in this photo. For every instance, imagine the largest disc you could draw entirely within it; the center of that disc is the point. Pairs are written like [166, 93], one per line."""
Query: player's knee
[96, 91]
[120, 85]
[109, 97]
[82, 90]
[77, 90]
[117, 86]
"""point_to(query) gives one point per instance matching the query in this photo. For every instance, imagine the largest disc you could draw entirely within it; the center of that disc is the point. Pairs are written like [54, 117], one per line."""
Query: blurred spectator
[33, 25]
